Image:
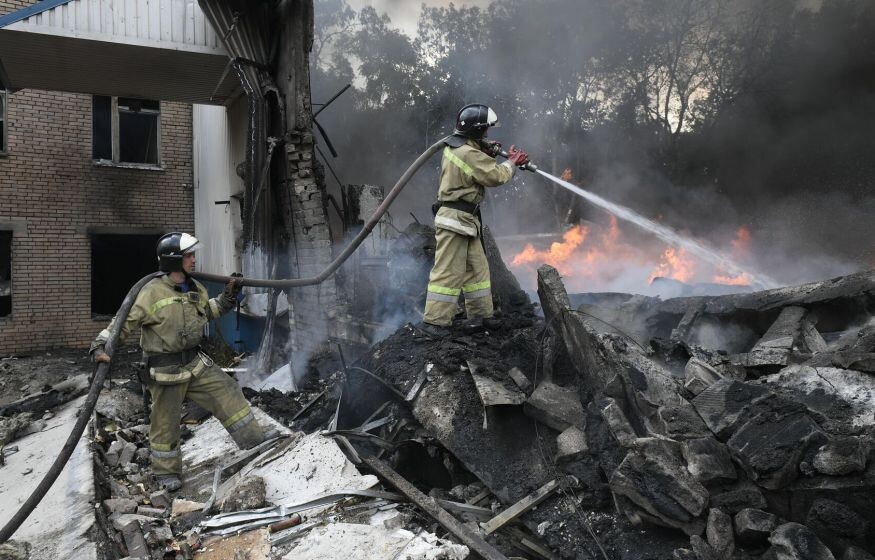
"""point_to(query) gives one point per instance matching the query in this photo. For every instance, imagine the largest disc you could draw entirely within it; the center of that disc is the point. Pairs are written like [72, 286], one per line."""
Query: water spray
[665, 233]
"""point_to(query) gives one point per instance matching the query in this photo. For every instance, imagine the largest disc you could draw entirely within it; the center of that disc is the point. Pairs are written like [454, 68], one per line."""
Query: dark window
[126, 130]
[2, 121]
[117, 262]
[101, 127]
[5, 273]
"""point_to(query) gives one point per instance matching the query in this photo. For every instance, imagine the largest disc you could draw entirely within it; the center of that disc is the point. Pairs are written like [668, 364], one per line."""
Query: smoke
[776, 133]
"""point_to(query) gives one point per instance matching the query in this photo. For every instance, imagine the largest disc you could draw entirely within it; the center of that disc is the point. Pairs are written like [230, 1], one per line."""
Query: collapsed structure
[608, 426]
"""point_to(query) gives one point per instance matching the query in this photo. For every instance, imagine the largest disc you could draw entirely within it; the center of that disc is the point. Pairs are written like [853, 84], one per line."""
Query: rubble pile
[744, 422]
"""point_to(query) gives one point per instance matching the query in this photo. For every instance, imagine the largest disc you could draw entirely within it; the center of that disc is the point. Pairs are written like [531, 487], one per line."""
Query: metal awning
[152, 49]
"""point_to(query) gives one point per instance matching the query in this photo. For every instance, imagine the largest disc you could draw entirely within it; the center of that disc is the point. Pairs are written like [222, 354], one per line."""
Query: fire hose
[103, 367]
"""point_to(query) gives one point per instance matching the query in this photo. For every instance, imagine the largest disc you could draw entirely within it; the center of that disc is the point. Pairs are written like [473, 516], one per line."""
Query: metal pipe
[349, 249]
[81, 421]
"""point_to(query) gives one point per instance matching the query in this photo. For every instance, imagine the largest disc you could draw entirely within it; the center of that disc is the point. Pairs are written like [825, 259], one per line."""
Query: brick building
[125, 123]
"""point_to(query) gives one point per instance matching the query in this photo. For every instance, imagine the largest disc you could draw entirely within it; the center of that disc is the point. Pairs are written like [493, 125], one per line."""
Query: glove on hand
[101, 356]
[233, 287]
[517, 156]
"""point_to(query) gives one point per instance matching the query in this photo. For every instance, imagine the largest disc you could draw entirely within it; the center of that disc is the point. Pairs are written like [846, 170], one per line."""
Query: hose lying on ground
[103, 367]
[81, 422]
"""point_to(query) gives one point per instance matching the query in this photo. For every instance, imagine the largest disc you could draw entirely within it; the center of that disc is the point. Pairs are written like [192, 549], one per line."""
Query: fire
[676, 264]
[571, 257]
[742, 279]
[596, 258]
[566, 175]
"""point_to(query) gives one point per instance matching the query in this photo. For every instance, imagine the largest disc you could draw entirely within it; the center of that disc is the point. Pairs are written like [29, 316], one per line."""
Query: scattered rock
[708, 460]
[618, 424]
[247, 494]
[119, 505]
[832, 520]
[793, 541]
[660, 488]
[555, 406]
[160, 499]
[15, 550]
[842, 455]
[699, 375]
[183, 507]
[720, 534]
[770, 446]
[571, 444]
[737, 499]
[681, 421]
[725, 403]
[753, 526]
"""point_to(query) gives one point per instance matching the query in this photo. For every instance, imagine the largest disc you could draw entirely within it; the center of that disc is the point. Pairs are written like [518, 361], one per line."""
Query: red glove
[517, 157]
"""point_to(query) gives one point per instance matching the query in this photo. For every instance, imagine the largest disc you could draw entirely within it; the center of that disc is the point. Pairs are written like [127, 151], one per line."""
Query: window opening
[117, 262]
[5, 273]
[126, 130]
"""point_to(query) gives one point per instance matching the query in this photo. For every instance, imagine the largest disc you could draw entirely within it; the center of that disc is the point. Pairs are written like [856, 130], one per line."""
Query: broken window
[117, 262]
[125, 130]
[2, 121]
[5, 273]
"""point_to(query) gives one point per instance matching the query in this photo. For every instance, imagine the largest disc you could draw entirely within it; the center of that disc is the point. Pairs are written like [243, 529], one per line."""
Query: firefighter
[460, 265]
[171, 312]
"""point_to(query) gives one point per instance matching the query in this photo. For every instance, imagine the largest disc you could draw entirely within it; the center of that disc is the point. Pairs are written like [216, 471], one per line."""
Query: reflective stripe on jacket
[466, 171]
[170, 320]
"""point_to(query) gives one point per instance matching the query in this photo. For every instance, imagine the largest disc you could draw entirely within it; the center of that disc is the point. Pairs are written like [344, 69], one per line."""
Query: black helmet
[473, 120]
[170, 249]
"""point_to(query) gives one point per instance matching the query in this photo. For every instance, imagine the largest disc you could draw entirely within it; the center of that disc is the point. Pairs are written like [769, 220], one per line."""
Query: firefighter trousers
[213, 390]
[460, 267]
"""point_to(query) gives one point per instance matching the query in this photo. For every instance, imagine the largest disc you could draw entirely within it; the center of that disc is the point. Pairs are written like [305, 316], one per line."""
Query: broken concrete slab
[681, 421]
[655, 481]
[835, 388]
[134, 540]
[725, 403]
[770, 446]
[793, 541]
[183, 507]
[555, 406]
[494, 392]
[699, 375]
[753, 526]
[59, 527]
[783, 338]
[708, 460]
[744, 495]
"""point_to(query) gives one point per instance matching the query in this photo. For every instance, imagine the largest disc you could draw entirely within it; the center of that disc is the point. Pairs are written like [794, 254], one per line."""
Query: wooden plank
[430, 506]
[520, 507]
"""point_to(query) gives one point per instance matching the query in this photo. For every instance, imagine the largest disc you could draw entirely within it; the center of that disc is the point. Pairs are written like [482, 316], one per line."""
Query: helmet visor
[492, 118]
[188, 244]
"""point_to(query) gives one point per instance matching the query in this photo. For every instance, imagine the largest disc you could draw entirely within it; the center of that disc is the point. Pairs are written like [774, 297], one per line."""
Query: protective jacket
[460, 265]
[171, 321]
[465, 173]
[172, 325]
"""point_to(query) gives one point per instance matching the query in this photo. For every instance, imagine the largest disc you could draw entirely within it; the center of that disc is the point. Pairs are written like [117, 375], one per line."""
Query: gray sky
[405, 13]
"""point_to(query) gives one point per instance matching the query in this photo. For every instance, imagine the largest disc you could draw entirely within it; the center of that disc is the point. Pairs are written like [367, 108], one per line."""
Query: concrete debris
[769, 447]
[344, 540]
[843, 455]
[793, 541]
[518, 377]
[699, 375]
[617, 423]
[708, 460]
[183, 507]
[753, 526]
[571, 444]
[15, 550]
[120, 505]
[249, 493]
[836, 524]
[720, 534]
[555, 406]
[661, 489]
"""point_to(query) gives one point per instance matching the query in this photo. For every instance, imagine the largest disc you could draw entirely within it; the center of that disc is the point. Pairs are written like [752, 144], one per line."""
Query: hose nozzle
[528, 167]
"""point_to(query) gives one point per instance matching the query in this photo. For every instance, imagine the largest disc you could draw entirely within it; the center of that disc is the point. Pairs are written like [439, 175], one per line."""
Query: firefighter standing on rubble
[460, 265]
[172, 311]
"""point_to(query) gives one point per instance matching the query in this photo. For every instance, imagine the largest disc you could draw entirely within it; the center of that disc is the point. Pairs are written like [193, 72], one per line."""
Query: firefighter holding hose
[171, 312]
[460, 265]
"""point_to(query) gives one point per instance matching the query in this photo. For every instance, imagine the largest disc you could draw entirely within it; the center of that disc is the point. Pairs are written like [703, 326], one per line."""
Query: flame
[559, 252]
[741, 243]
[676, 264]
[742, 279]
[566, 175]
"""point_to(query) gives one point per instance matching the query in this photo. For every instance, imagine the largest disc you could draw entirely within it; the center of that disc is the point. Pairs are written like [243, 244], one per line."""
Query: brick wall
[51, 195]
